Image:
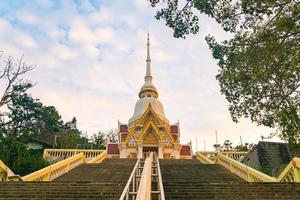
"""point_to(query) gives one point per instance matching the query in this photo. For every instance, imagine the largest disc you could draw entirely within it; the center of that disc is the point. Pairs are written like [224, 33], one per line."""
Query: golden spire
[148, 60]
[148, 88]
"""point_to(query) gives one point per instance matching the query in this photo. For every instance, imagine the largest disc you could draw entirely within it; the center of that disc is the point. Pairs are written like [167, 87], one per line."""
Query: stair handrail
[3, 171]
[204, 159]
[50, 154]
[245, 172]
[236, 155]
[55, 170]
[99, 158]
[144, 191]
[125, 193]
[291, 172]
[161, 185]
[7, 174]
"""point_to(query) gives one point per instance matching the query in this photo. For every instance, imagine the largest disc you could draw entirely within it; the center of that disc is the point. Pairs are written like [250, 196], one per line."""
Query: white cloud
[99, 17]
[63, 52]
[81, 33]
[28, 18]
[105, 34]
[91, 64]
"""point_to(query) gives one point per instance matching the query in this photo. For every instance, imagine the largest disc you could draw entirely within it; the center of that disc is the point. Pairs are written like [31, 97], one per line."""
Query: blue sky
[90, 63]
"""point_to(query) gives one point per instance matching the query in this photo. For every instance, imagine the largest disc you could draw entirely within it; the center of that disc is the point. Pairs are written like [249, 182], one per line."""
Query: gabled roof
[123, 128]
[185, 150]
[112, 148]
[148, 123]
[174, 129]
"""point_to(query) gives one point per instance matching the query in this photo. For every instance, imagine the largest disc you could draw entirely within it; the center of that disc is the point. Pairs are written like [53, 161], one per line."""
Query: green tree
[260, 66]
[217, 147]
[244, 147]
[227, 146]
[71, 125]
[73, 136]
[15, 154]
[28, 116]
[99, 140]
[50, 119]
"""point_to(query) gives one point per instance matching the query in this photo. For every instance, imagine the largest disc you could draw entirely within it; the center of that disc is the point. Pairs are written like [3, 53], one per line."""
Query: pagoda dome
[148, 87]
[142, 105]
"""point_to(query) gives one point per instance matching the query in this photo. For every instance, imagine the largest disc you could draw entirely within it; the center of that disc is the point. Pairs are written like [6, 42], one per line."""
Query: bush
[19, 159]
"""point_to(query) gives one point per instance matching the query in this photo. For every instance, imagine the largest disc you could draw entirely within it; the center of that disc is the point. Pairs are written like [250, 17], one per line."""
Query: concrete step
[189, 179]
[87, 181]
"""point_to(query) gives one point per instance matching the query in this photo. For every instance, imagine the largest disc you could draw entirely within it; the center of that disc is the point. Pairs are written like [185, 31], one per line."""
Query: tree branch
[12, 72]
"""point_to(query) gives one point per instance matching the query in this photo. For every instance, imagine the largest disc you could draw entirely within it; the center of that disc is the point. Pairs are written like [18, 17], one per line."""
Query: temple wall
[128, 153]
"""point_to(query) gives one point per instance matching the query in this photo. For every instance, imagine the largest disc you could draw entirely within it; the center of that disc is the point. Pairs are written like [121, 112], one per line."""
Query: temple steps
[110, 170]
[189, 179]
[87, 181]
[192, 171]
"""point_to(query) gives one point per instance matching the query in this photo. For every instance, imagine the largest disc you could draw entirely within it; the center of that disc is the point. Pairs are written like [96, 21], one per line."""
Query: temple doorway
[147, 150]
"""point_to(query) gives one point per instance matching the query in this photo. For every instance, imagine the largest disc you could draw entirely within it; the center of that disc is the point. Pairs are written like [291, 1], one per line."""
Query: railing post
[249, 176]
[47, 177]
[216, 158]
[67, 168]
[45, 153]
[231, 168]
[296, 171]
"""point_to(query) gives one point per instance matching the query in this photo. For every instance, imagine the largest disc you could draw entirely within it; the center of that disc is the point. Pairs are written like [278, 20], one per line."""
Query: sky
[89, 59]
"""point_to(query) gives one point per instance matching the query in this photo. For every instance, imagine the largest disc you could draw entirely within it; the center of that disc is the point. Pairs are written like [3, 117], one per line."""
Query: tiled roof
[185, 150]
[113, 149]
[123, 128]
[174, 129]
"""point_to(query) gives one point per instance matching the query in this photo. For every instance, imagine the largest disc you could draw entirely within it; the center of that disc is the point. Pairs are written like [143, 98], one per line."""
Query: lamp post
[85, 139]
[55, 141]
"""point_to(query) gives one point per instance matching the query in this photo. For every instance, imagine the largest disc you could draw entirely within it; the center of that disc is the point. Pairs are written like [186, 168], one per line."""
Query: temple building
[149, 129]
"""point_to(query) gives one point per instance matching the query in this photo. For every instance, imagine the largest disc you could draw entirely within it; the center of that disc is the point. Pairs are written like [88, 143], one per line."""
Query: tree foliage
[244, 147]
[28, 116]
[24, 118]
[15, 154]
[227, 146]
[259, 68]
[99, 140]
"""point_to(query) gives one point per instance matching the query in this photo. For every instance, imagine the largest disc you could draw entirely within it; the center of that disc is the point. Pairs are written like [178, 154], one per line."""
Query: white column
[122, 149]
[177, 148]
[139, 144]
[160, 149]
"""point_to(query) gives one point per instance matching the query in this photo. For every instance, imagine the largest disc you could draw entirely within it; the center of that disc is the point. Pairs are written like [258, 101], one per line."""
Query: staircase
[87, 181]
[189, 179]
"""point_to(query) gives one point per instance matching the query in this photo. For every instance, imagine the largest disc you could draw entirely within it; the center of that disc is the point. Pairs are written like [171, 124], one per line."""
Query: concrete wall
[34, 145]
